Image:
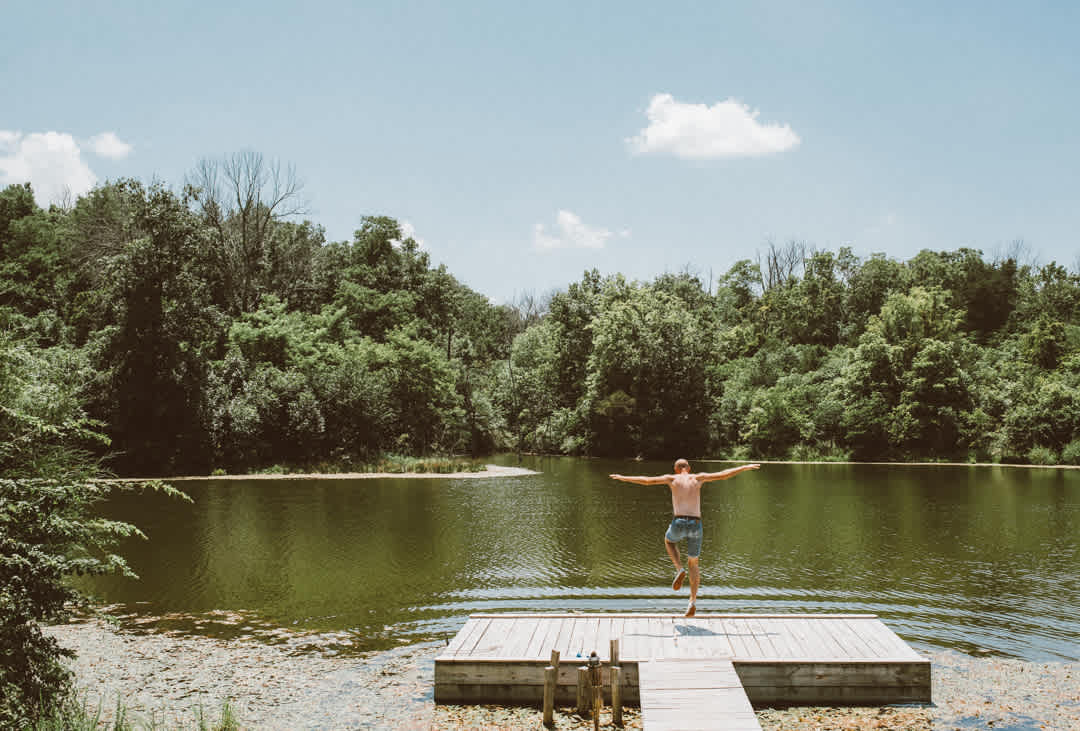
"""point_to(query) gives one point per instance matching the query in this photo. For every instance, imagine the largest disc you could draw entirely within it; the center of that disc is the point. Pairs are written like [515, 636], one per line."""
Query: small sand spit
[290, 684]
[491, 470]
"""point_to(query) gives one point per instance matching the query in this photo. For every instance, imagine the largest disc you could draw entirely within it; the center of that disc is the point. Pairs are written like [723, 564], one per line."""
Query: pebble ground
[279, 680]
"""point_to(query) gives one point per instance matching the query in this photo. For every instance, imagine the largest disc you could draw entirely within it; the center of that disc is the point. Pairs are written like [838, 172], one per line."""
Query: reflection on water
[983, 560]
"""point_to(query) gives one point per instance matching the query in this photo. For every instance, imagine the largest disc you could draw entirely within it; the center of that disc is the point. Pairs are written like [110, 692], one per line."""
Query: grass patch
[78, 715]
[818, 453]
[389, 463]
[397, 464]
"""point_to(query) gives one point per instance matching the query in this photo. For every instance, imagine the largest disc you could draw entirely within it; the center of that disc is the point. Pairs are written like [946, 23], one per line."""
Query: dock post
[616, 695]
[597, 689]
[550, 675]
[555, 663]
[582, 694]
[616, 691]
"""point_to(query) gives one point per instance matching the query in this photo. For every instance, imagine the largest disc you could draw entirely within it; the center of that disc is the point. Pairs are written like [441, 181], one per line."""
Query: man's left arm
[726, 474]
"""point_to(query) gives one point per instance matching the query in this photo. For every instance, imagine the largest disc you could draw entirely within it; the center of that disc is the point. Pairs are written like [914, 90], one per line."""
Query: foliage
[47, 526]
[399, 464]
[262, 343]
[1071, 453]
[1042, 456]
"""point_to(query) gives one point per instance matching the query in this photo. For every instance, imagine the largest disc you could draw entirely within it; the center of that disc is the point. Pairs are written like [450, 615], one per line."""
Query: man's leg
[673, 554]
[693, 552]
[695, 581]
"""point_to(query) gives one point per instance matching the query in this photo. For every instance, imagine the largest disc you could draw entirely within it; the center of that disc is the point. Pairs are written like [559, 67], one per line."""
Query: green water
[978, 559]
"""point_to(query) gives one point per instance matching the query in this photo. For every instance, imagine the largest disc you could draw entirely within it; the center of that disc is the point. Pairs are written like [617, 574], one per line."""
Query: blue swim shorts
[688, 528]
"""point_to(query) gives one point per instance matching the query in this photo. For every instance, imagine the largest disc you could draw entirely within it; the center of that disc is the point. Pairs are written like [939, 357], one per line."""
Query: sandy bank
[491, 470]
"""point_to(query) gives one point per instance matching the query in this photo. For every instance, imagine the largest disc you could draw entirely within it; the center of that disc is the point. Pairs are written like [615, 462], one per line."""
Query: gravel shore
[284, 680]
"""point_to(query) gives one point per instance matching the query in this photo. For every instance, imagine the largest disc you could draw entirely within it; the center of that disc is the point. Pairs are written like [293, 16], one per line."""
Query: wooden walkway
[816, 659]
[694, 694]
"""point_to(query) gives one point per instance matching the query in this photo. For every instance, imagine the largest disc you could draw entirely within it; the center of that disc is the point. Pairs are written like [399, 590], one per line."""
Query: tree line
[212, 327]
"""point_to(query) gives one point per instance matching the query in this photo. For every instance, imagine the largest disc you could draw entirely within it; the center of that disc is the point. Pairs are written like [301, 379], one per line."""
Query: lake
[984, 560]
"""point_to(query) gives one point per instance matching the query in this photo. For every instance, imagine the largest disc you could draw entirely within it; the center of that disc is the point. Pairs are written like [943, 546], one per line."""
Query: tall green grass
[78, 715]
[389, 463]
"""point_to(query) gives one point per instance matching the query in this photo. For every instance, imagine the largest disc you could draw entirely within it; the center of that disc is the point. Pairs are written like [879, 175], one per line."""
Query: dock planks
[820, 659]
[694, 694]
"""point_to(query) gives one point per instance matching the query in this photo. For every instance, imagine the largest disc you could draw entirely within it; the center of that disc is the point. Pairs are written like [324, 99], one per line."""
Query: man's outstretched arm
[658, 480]
[710, 476]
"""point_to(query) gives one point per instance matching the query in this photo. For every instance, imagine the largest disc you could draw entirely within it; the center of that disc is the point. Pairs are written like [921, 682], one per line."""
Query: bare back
[685, 494]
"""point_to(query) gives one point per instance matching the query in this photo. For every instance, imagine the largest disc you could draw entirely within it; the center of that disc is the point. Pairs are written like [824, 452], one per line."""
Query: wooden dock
[694, 694]
[780, 659]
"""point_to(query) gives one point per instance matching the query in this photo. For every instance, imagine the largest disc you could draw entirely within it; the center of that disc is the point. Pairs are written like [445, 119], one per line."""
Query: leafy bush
[818, 453]
[1042, 456]
[47, 527]
[1071, 453]
[396, 464]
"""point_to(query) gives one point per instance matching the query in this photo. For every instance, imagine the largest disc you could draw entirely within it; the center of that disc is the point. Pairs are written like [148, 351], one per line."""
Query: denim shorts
[681, 528]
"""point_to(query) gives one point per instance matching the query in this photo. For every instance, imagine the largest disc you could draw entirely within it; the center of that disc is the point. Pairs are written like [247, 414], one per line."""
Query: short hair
[680, 463]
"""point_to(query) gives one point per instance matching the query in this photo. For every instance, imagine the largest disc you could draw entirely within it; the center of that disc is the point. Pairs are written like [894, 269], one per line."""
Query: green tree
[420, 382]
[869, 389]
[572, 312]
[868, 287]
[154, 333]
[646, 383]
[47, 526]
[934, 396]
[35, 266]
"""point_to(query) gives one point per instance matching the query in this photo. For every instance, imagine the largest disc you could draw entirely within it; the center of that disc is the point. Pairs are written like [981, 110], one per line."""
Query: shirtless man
[686, 504]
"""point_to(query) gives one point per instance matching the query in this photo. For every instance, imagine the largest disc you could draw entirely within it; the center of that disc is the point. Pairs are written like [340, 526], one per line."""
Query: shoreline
[299, 680]
[490, 470]
[493, 470]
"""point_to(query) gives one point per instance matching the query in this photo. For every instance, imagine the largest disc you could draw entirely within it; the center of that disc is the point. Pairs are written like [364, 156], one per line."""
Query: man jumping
[686, 504]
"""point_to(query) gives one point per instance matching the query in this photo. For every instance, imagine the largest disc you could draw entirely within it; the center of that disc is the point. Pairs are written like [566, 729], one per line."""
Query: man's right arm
[726, 474]
[658, 480]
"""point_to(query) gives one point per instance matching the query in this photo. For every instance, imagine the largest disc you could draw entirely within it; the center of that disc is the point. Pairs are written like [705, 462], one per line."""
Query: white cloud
[50, 161]
[408, 231]
[698, 132]
[570, 232]
[107, 144]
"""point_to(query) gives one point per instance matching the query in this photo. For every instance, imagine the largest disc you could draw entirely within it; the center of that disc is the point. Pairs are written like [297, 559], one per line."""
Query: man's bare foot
[691, 610]
[679, 578]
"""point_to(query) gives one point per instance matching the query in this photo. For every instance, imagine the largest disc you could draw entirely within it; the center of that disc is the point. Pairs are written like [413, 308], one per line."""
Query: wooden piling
[616, 695]
[614, 652]
[550, 675]
[584, 698]
[597, 686]
[598, 704]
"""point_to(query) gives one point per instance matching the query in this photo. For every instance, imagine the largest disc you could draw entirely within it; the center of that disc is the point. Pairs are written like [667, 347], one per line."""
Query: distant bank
[490, 470]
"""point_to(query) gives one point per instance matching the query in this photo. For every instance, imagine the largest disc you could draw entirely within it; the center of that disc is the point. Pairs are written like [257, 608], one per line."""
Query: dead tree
[243, 198]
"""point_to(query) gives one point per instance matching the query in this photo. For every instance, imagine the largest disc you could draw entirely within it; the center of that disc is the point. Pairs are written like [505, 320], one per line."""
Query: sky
[524, 143]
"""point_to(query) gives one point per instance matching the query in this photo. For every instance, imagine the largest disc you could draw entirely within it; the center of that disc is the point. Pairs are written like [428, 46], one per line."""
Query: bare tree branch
[244, 198]
[781, 263]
